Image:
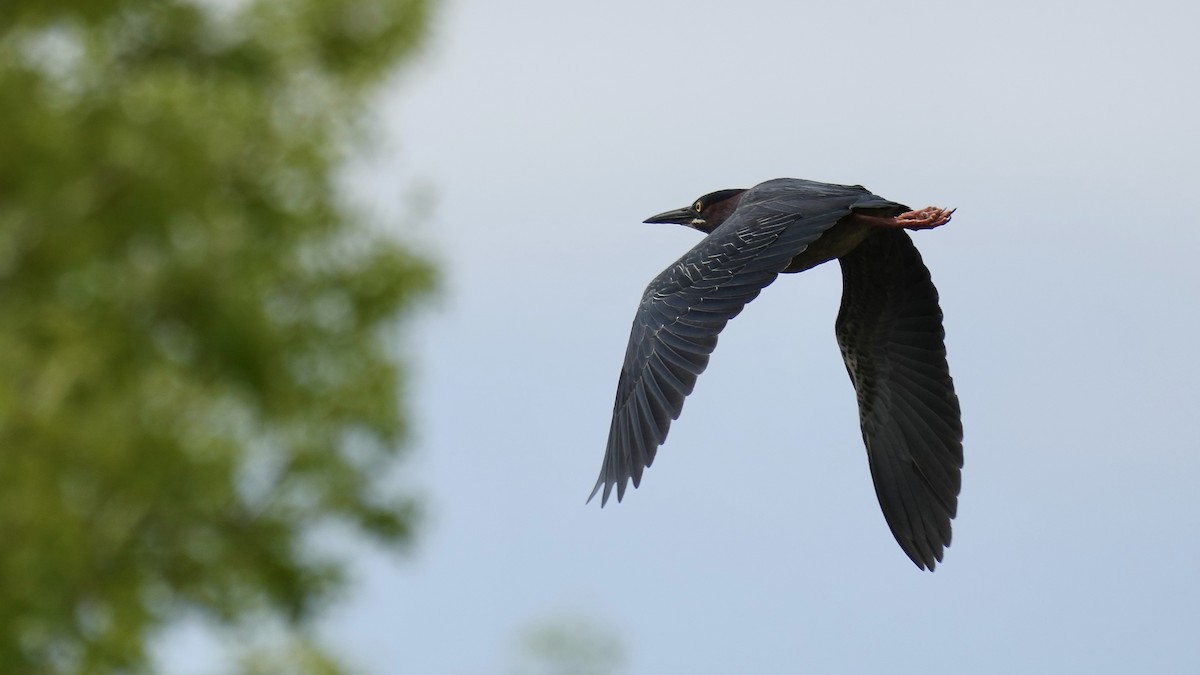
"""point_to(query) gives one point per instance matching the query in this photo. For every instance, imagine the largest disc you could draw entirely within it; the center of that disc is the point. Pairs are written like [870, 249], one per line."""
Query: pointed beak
[683, 216]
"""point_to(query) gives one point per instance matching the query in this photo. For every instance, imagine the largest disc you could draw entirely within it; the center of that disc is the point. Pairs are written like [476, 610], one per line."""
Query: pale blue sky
[1066, 135]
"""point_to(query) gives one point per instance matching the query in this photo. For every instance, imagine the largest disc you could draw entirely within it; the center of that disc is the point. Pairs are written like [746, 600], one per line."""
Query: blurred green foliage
[571, 645]
[194, 325]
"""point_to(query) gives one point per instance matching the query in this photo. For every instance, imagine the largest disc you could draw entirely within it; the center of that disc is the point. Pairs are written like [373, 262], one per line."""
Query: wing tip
[925, 555]
[607, 485]
[927, 550]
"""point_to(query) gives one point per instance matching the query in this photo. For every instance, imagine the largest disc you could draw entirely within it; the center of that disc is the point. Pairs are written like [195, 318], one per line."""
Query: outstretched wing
[684, 309]
[890, 333]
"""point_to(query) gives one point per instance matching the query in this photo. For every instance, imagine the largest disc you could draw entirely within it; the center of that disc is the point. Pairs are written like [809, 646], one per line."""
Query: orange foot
[925, 219]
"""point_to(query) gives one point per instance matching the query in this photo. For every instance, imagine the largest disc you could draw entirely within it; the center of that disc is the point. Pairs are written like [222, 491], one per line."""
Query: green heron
[889, 329]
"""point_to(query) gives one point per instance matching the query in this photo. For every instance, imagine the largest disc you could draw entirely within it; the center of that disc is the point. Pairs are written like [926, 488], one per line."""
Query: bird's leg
[924, 219]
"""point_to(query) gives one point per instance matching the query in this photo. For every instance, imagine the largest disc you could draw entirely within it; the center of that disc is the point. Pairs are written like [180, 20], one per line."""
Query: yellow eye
[698, 206]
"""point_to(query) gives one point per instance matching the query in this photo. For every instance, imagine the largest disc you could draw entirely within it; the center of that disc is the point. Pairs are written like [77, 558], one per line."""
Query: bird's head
[705, 214]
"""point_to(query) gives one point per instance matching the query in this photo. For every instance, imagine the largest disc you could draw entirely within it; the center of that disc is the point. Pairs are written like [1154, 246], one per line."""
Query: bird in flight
[889, 329]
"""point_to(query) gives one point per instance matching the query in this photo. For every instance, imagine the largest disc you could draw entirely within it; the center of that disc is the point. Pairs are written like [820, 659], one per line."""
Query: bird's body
[889, 329]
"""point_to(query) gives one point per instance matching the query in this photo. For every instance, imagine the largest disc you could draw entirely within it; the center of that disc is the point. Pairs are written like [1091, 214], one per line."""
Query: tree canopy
[197, 331]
